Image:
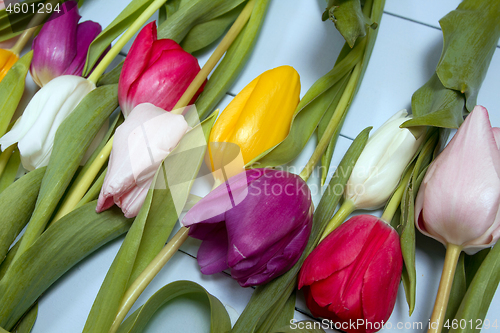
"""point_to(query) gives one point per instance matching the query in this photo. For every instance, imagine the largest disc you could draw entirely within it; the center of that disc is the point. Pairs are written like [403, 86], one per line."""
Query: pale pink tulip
[141, 143]
[458, 201]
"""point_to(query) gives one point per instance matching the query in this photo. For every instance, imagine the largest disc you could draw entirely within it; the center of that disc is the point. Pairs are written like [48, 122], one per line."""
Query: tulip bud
[257, 224]
[7, 60]
[257, 119]
[61, 46]
[353, 275]
[127, 182]
[459, 199]
[379, 168]
[156, 72]
[35, 130]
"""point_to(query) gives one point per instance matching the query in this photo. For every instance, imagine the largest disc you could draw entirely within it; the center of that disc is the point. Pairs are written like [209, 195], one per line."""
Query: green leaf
[219, 319]
[71, 141]
[233, 62]
[308, 113]
[9, 173]
[478, 297]
[127, 16]
[472, 264]
[471, 35]
[349, 19]
[16, 204]
[287, 312]
[151, 227]
[434, 105]
[28, 321]
[182, 16]
[406, 229]
[191, 13]
[374, 10]
[273, 294]
[457, 293]
[59, 248]
[12, 89]
[204, 34]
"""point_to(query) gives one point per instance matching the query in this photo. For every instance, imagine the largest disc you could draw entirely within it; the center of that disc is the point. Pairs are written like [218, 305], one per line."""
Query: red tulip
[156, 72]
[353, 275]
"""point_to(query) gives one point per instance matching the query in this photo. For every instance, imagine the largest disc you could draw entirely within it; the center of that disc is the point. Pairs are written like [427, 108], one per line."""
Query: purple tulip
[257, 224]
[62, 44]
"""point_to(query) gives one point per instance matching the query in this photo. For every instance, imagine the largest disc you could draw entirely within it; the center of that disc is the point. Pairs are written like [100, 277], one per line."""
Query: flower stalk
[395, 200]
[340, 216]
[445, 284]
[334, 122]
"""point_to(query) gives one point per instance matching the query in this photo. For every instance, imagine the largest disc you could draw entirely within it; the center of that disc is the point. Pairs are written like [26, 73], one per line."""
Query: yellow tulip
[7, 60]
[257, 119]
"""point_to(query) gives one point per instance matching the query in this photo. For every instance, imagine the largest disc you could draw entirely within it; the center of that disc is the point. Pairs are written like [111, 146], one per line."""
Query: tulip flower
[35, 130]
[257, 119]
[62, 44]
[458, 202]
[459, 199]
[381, 164]
[256, 224]
[7, 60]
[379, 168]
[156, 72]
[353, 275]
[136, 157]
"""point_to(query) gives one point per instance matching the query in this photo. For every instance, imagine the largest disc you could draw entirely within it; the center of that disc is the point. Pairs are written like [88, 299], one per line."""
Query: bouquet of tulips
[96, 155]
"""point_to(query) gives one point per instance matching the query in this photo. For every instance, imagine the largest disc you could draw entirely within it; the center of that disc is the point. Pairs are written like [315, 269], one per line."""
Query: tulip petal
[159, 46]
[54, 48]
[213, 250]
[258, 230]
[163, 83]
[86, 33]
[141, 143]
[496, 133]
[359, 229]
[213, 207]
[382, 278]
[135, 63]
[36, 129]
[461, 191]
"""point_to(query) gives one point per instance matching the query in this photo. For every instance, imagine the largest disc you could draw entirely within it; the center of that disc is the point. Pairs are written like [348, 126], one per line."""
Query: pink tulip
[353, 275]
[141, 143]
[156, 72]
[61, 46]
[458, 201]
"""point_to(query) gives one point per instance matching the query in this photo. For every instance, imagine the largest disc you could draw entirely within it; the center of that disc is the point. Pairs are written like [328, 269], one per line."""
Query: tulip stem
[344, 211]
[395, 201]
[443, 295]
[127, 35]
[143, 280]
[334, 122]
[83, 182]
[5, 156]
[23, 39]
[215, 57]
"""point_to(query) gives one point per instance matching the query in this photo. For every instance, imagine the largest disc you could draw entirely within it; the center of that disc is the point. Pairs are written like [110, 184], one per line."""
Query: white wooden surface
[407, 50]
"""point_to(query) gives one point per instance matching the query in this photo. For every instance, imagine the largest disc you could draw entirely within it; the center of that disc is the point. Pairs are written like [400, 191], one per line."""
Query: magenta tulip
[156, 72]
[459, 199]
[141, 143]
[354, 273]
[256, 224]
[62, 44]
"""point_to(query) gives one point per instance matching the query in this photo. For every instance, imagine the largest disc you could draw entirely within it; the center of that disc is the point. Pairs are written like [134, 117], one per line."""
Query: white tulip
[381, 164]
[34, 132]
